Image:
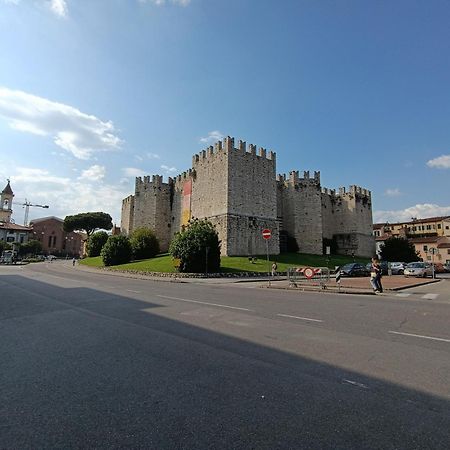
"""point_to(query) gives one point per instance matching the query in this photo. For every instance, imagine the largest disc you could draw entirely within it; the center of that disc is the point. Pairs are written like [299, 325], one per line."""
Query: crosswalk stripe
[403, 294]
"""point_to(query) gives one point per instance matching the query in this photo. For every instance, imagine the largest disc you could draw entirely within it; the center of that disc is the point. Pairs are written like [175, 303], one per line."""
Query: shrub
[144, 243]
[197, 248]
[117, 250]
[96, 243]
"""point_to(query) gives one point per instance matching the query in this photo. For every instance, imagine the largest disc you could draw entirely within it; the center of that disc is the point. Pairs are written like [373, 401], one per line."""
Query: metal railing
[308, 276]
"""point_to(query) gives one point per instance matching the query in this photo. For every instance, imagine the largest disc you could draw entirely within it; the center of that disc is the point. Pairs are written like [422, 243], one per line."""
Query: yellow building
[431, 236]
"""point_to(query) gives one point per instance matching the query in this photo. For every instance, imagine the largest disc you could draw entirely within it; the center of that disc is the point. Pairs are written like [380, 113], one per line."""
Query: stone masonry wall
[152, 207]
[252, 200]
[237, 190]
[347, 216]
[302, 210]
[127, 216]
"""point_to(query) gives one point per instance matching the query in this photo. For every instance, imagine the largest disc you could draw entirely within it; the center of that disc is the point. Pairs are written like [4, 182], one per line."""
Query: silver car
[397, 268]
[418, 269]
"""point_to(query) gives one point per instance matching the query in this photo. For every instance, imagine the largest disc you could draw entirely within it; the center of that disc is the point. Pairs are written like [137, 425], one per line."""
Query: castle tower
[300, 210]
[7, 196]
[150, 208]
[235, 188]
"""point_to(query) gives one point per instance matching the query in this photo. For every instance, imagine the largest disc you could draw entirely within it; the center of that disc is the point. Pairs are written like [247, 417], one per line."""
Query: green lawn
[232, 264]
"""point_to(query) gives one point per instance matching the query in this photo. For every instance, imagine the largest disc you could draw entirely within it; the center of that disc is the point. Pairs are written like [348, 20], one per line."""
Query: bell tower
[6, 204]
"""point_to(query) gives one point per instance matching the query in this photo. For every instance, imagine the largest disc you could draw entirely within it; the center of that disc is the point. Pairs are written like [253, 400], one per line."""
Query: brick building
[55, 241]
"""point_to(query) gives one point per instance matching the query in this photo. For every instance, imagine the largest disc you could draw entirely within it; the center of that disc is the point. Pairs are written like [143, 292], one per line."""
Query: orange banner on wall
[186, 202]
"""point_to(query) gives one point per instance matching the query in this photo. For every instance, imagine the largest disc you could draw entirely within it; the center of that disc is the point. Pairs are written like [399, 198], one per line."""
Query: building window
[439, 226]
[425, 248]
[428, 227]
[49, 241]
[414, 228]
[448, 251]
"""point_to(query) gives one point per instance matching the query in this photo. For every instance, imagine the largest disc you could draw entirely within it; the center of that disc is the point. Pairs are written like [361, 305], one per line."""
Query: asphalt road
[97, 361]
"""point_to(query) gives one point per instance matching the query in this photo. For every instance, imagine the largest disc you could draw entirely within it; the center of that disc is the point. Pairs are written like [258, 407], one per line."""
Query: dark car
[384, 267]
[354, 270]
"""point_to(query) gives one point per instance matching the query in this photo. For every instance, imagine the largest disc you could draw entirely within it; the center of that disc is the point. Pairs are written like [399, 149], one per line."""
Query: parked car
[384, 267]
[418, 269]
[398, 268]
[354, 270]
[439, 268]
[51, 257]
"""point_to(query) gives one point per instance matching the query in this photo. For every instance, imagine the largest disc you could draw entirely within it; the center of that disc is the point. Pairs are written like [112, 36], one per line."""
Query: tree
[32, 247]
[398, 249]
[4, 246]
[197, 247]
[88, 222]
[144, 243]
[96, 242]
[117, 250]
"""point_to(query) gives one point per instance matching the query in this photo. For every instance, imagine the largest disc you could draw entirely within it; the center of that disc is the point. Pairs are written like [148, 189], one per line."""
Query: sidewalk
[356, 285]
[353, 285]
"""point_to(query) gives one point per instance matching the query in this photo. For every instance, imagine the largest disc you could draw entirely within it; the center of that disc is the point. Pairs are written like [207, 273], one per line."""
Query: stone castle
[237, 189]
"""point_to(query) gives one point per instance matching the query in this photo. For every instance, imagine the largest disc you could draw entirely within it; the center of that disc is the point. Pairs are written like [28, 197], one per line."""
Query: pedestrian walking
[375, 276]
[73, 262]
[274, 269]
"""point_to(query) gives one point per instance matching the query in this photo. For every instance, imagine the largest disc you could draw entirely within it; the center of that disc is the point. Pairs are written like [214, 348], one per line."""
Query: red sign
[266, 234]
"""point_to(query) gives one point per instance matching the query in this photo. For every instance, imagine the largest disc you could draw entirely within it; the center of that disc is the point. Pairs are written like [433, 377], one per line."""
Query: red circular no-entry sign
[266, 234]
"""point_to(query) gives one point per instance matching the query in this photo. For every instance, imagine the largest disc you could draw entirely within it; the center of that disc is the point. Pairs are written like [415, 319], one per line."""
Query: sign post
[267, 234]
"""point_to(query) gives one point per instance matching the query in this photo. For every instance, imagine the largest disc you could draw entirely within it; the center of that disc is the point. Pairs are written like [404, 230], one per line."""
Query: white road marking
[430, 296]
[134, 292]
[402, 294]
[203, 303]
[354, 383]
[421, 336]
[300, 318]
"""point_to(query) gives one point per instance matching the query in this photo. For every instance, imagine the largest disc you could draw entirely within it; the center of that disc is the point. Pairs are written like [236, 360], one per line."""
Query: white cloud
[442, 162]
[153, 156]
[31, 175]
[76, 132]
[392, 192]
[420, 211]
[94, 173]
[59, 7]
[213, 136]
[65, 195]
[132, 172]
[169, 170]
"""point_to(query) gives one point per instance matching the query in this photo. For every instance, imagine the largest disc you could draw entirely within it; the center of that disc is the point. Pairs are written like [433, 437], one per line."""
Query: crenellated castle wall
[236, 188]
[127, 217]
[301, 210]
[152, 207]
[347, 217]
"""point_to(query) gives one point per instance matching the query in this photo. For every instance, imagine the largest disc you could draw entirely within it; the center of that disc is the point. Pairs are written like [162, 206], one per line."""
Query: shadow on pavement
[82, 368]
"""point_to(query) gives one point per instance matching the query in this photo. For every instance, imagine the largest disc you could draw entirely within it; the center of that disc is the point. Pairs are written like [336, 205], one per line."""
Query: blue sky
[96, 92]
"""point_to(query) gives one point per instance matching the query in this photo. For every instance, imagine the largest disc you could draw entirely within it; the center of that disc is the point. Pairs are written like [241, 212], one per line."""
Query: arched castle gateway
[237, 190]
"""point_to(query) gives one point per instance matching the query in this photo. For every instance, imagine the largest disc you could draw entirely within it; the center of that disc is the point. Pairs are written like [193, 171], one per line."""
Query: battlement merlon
[354, 191]
[227, 146]
[128, 199]
[294, 178]
[150, 181]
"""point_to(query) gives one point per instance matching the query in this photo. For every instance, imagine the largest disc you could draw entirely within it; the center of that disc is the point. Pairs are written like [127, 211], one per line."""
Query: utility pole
[27, 205]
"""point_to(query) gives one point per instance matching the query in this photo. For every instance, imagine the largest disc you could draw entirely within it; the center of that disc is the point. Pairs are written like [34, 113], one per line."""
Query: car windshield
[416, 265]
[348, 266]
